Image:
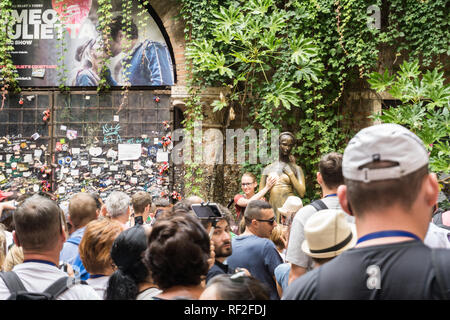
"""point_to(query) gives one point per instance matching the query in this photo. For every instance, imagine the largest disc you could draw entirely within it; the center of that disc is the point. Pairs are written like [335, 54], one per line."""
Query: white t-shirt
[9, 240]
[294, 252]
[38, 276]
[99, 284]
[437, 237]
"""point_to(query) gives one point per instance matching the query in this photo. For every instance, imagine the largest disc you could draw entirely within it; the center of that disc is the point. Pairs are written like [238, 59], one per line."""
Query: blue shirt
[259, 256]
[150, 65]
[87, 78]
[282, 274]
[79, 269]
[70, 250]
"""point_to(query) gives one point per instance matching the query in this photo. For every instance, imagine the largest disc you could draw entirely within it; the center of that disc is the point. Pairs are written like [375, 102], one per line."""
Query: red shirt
[239, 209]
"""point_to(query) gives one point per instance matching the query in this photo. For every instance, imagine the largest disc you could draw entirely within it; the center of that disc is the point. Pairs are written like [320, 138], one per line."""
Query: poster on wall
[41, 44]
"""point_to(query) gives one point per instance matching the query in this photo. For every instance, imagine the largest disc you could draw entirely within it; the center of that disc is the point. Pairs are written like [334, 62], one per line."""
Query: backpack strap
[441, 277]
[12, 282]
[443, 226]
[319, 205]
[437, 218]
[61, 285]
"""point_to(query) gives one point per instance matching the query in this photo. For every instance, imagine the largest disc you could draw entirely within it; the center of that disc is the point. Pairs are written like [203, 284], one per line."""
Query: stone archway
[167, 11]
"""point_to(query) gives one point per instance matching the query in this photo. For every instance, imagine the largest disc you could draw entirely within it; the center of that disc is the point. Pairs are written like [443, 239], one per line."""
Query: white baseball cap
[383, 142]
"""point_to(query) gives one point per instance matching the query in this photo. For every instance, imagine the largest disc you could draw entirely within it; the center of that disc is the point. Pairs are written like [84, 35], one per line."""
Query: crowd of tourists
[376, 232]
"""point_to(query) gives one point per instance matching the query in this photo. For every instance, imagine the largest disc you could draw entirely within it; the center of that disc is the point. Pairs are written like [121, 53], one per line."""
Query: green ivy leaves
[284, 94]
[380, 82]
[248, 45]
[8, 72]
[303, 50]
[292, 61]
[425, 109]
[410, 86]
[419, 29]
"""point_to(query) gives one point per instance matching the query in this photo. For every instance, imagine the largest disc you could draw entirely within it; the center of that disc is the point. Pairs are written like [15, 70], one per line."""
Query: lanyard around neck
[386, 234]
[331, 195]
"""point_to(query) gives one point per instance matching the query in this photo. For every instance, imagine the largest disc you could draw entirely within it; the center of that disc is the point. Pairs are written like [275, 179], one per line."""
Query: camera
[209, 211]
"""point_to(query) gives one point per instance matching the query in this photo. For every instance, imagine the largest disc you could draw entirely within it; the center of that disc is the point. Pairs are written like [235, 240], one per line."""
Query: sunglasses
[270, 221]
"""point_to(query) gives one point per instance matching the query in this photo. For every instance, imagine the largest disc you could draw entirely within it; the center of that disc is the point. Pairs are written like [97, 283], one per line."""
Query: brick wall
[168, 11]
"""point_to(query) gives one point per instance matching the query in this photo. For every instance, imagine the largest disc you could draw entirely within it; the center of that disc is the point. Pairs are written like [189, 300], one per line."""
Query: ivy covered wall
[290, 65]
[303, 65]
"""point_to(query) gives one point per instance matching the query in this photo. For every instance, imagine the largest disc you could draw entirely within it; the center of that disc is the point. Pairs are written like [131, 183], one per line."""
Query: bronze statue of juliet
[290, 175]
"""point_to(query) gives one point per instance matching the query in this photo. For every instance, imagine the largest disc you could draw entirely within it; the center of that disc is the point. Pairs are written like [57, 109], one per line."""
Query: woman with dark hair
[177, 256]
[131, 280]
[235, 287]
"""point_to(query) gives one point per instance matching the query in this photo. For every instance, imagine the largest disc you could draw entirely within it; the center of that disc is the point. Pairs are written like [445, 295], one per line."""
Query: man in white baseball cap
[391, 194]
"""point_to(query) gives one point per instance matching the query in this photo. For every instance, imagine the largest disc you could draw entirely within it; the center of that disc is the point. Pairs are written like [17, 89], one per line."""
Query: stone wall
[219, 180]
[167, 11]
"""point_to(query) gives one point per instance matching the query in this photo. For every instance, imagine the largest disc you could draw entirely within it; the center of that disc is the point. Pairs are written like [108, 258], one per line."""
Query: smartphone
[138, 220]
[207, 211]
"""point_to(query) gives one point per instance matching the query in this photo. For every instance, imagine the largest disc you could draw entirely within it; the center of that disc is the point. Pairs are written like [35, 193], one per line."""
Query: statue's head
[287, 141]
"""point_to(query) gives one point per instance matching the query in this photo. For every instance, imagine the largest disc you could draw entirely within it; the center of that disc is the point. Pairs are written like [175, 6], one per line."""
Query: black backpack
[18, 291]
[319, 205]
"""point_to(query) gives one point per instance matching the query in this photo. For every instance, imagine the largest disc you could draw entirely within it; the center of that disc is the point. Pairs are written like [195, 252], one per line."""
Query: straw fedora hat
[291, 205]
[328, 234]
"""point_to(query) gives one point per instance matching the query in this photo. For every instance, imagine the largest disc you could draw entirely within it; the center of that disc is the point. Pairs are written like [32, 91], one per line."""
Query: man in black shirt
[391, 194]
[221, 239]
[222, 248]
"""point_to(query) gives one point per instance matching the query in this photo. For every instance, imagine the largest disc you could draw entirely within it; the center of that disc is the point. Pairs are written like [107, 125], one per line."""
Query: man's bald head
[194, 200]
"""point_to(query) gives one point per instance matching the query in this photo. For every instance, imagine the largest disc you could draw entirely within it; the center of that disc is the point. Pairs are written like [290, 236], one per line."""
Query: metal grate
[80, 121]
